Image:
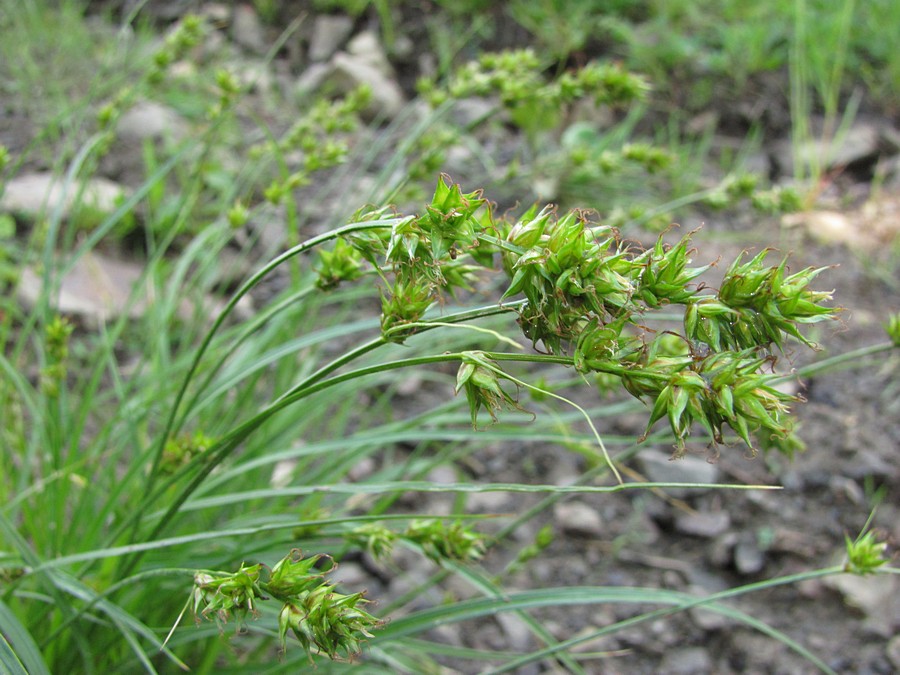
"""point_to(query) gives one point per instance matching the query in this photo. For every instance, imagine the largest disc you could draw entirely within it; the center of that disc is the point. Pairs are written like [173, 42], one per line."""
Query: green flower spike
[448, 219]
[226, 594]
[665, 274]
[341, 263]
[294, 574]
[374, 538]
[442, 542]
[892, 328]
[865, 554]
[333, 623]
[482, 386]
[757, 306]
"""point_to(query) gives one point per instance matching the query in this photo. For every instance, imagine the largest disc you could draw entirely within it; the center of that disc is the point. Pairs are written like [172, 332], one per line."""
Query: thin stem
[444, 324]
[248, 285]
[840, 362]
[587, 417]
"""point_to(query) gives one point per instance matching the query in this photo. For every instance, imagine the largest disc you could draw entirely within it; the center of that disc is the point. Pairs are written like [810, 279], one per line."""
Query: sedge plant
[581, 295]
[210, 482]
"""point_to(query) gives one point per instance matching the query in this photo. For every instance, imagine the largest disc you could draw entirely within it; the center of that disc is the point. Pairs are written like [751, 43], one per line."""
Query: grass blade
[18, 652]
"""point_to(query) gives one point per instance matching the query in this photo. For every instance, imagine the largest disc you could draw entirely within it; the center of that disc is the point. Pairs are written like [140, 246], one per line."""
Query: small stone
[442, 475]
[517, 632]
[748, 557]
[268, 225]
[34, 193]
[545, 188]
[876, 596]
[709, 620]
[862, 142]
[662, 468]
[829, 227]
[149, 119]
[330, 31]
[721, 553]
[704, 584]
[705, 525]
[95, 290]
[366, 48]
[578, 518]
[349, 72]
[686, 661]
[217, 13]
[312, 78]
[254, 75]
[247, 30]
[363, 468]
[488, 502]
[99, 288]
[283, 473]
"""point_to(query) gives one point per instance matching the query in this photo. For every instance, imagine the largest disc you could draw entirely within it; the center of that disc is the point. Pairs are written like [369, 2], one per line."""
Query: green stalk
[248, 285]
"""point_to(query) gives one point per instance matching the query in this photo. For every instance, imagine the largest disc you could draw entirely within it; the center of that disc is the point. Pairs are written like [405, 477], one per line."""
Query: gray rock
[749, 558]
[702, 585]
[889, 167]
[247, 30]
[578, 518]
[366, 47]
[94, 291]
[488, 502]
[253, 75]
[861, 142]
[268, 225]
[890, 139]
[876, 596]
[721, 553]
[364, 467]
[98, 289]
[516, 631]
[151, 120]
[283, 473]
[686, 661]
[217, 13]
[35, 193]
[312, 78]
[350, 72]
[661, 468]
[328, 35]
[705, 525]
[442, 474]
